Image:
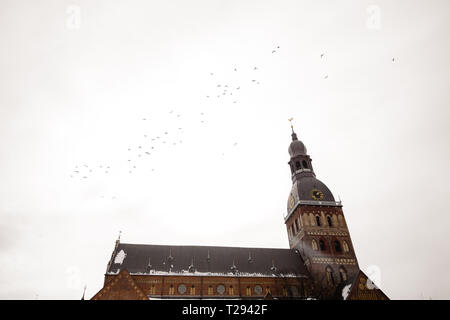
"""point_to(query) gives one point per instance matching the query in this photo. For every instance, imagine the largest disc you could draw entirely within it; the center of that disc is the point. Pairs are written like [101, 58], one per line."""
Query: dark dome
[304, 187]
[296, 148]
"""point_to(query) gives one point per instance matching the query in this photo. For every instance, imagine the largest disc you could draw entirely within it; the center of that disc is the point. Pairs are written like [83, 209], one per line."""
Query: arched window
[314, 245]
[322, 245]
[297, 165]
[305, 164]
[330, 276]
[210, 290]
[337, 246]
[345, 246]
[318, 221]
[329, 221]
[153, 289]
[343, 274]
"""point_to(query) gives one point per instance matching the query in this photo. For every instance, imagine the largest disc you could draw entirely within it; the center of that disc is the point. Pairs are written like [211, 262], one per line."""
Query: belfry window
[322, 245]
[318, 221]
[337, 246]
[329, 221]
[305, 164]
[297, 165]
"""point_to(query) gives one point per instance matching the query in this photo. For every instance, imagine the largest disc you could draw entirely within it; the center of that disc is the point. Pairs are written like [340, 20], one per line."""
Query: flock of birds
[149, 145]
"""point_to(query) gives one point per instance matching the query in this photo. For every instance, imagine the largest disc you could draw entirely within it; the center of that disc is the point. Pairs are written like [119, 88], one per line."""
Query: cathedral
[320, 263]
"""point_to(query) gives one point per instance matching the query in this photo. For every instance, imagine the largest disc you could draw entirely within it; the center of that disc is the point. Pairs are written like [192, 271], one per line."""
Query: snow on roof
[207, 261]
[120, 257]
[346, 291]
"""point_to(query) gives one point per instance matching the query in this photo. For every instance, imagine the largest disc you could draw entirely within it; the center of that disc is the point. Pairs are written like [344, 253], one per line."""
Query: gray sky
[77, 78]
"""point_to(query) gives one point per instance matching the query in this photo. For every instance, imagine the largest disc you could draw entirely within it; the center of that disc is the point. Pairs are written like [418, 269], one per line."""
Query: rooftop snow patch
[120, 257]
[346, 291]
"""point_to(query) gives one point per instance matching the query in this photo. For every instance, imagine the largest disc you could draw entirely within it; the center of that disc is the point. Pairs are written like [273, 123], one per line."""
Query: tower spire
[84, 291]
[294, 135]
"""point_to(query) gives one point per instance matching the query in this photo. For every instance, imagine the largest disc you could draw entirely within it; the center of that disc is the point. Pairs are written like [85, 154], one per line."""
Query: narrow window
[305, 165]
[337, 246]
[152, 289]
[345, 246]
[329, 221]
[296, 225]
[210, 290]
[322, 245]
[192, 290]
[318, 221]
[343, 274]
[297, 165]
[292, 227]
[171, 289]
[248, 291]
[330, 276]
[231, 291]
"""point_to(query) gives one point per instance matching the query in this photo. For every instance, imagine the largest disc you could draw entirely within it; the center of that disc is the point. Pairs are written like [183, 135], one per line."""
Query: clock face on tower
[316, 194]
[291, 201]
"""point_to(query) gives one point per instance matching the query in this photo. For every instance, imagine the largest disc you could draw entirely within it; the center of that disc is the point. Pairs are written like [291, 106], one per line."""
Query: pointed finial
[149, 266]
[84, 291]
[294, 135]
[292, 126]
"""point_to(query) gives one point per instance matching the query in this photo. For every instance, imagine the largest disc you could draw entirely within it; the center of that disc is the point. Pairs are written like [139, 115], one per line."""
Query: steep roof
[130, 290]
[362, 288]
[206, 260]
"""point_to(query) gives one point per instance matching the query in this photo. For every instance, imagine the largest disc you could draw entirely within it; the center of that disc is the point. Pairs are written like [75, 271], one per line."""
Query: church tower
[316, 226]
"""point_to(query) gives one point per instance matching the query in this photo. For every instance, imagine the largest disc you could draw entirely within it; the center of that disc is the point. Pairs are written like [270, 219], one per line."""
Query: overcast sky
[78, 78]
